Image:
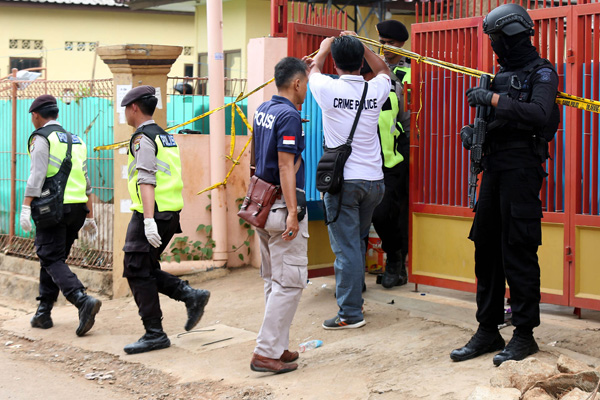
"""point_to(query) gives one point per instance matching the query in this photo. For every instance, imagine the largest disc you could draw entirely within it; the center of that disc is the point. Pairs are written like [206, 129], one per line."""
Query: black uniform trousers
[507, 232]
[141, 263]
[53, 246]
[388, 217]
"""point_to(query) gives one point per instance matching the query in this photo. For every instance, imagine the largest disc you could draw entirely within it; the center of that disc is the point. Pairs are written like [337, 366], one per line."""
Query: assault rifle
[479, 128]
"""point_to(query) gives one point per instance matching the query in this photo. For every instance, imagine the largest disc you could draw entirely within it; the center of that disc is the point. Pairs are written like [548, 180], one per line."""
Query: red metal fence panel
[583, 141]
[568, 37]
[309, 26]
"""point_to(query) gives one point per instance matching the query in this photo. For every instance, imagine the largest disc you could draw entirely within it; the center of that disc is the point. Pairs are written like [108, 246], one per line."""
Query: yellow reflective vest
[407, 77]
[75, 191]
[390, 131]
[169, 184]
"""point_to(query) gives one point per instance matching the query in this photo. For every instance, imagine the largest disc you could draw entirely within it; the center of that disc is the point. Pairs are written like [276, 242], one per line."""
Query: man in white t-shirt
[363, 177]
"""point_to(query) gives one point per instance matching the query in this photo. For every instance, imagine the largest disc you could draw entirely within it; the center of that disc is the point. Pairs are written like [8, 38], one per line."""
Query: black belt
[494, 147]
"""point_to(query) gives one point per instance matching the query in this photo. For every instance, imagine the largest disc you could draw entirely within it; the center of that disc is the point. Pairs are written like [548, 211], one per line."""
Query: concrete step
[25, 288]
[22, 287]
[20, 265]
[96, 281]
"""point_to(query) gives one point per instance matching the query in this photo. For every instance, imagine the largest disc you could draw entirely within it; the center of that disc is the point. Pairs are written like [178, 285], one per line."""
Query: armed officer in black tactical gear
[507, 225]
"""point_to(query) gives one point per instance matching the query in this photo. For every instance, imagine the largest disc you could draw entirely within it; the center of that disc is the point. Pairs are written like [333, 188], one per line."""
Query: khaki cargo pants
[284, 268]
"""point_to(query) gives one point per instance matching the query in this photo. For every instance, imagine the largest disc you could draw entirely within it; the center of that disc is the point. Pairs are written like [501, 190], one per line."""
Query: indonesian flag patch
[289, 140]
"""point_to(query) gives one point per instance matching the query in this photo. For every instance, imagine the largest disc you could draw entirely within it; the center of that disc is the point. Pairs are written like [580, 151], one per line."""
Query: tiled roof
[103, 3]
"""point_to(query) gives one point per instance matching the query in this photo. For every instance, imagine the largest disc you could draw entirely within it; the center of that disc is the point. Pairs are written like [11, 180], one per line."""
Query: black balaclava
[514, 51]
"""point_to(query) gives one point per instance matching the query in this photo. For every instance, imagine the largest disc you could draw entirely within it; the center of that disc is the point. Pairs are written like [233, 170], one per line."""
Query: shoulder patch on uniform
[545, 74]
[136, 143]
[167, 140]
[62, 137]
[32, 144]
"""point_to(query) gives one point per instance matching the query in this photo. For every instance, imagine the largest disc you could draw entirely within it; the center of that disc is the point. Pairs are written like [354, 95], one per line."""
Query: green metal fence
[187, 99]
[86, 109]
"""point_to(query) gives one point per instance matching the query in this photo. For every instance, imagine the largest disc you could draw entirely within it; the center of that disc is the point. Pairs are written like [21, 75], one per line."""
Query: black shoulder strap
[360, 107]
[535, 65]
[69, 145]
[48, 129]
[151, 131]
[65, 166]
[45, 131]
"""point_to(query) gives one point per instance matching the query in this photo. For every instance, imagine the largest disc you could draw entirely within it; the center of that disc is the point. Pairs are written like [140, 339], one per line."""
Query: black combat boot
[391, 276]
[195, 300]
[402, 275]
[154, 338]
[485, 340]
[519, 347]
[41, 318]
[88, 307]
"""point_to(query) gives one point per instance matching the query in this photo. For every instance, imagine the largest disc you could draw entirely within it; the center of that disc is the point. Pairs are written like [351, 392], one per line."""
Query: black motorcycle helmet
[508, 19]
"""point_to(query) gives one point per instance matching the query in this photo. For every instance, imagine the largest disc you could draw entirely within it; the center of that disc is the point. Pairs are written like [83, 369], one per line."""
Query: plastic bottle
[311, 344]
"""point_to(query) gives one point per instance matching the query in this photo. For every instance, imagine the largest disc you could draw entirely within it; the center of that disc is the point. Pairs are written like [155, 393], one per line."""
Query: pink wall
[195, 163]
[195, 160]
[266, 52]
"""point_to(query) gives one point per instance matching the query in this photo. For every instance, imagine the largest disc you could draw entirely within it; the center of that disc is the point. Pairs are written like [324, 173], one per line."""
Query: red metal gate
[583, 139]
[312, 25]
[568, 37]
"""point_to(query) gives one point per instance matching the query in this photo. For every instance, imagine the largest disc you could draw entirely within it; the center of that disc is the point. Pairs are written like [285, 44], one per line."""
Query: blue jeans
[347, 234]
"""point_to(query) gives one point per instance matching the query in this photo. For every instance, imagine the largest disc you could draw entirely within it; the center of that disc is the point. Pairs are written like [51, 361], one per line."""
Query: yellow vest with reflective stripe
[169, 185]
[57, 138]
[390, 131]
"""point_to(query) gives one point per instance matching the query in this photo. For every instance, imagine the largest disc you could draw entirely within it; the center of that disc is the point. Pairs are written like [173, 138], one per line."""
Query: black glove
[466, 135]
[479, 96]
[301, 201]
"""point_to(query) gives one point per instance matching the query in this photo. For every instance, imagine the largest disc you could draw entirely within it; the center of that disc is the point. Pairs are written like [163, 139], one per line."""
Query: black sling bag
[330, 169]
[47, 210]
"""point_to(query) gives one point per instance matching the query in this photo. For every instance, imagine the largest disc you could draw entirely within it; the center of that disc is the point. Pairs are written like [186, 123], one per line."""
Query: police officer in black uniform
[390, 217]
[507, 225]
[155, 186]
[48, 147]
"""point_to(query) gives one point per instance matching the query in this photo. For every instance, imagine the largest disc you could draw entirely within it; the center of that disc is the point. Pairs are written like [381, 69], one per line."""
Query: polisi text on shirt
[264, 120]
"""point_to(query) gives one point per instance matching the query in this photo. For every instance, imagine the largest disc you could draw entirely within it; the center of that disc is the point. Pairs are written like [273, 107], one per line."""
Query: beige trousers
[284, 268]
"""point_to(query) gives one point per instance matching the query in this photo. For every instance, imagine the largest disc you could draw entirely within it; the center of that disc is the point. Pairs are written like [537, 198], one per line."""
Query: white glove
[90, 228]
[25, 218]
[151, 231]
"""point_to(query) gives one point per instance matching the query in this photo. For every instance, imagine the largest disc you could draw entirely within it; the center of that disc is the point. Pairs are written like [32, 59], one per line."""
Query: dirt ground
[402, 352]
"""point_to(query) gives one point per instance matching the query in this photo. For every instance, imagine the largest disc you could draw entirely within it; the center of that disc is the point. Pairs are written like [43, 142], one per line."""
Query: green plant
[184, 249]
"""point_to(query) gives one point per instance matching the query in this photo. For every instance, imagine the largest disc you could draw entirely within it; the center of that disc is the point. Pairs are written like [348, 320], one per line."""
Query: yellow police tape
[236, 161]
[561, 98]
[206, 114]
[240, 97]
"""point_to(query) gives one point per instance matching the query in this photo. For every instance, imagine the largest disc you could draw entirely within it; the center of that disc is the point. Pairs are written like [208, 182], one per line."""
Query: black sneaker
[337, 323]
[517, 349]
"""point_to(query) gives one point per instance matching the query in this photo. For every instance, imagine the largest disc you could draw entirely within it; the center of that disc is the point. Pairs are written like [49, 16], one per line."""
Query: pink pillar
[214, 24]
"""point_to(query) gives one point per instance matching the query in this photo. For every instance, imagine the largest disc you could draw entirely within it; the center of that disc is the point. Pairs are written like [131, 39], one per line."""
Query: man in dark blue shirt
[277, 128]
[278, 146]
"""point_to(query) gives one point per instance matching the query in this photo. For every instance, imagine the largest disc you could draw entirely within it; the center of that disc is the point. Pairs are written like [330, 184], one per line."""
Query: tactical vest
[57, 138]
[517, 85]
[169, 185]
[390, 132]
[406, 78]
